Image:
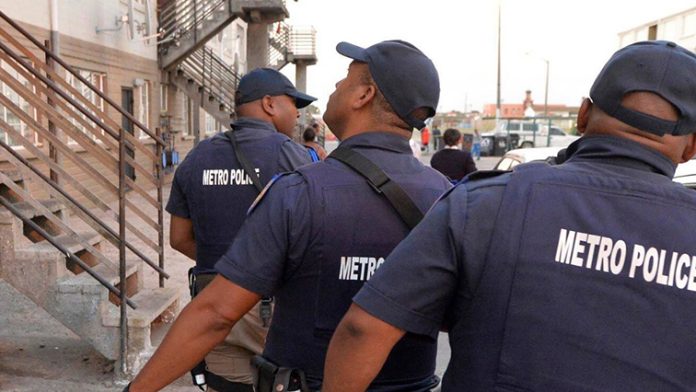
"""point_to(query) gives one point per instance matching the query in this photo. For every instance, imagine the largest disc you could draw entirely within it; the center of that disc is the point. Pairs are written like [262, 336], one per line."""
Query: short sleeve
[271, 242]
[177, 203]
[292, 156]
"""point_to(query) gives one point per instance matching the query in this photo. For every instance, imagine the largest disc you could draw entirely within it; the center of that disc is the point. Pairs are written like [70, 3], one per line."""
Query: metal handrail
[82, 208]
[68, 68]
[210, 72]
[303, 41]
[179, 18]
[64, 250]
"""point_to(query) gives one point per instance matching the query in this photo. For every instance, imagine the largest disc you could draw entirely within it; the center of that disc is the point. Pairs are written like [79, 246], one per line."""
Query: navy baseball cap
[659, 67]
[266, 81]
[406, 77]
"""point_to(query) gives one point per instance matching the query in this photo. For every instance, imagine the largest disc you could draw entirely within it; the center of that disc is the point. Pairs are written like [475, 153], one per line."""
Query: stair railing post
[52, 151]
[122, 247]
[160, 213]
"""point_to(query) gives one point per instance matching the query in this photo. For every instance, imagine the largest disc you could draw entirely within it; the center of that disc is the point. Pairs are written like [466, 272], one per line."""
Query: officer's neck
[371, 125]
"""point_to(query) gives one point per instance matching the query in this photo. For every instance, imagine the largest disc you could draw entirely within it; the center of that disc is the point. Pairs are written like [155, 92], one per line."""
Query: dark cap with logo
[659, 67]
[266, 81]
[406, 77]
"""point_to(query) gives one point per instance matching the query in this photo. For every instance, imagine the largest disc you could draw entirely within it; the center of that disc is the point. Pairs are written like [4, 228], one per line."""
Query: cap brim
[352, 51]
[301, 99]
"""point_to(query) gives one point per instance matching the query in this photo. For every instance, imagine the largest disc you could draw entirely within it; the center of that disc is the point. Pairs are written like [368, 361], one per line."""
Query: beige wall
[80, 19]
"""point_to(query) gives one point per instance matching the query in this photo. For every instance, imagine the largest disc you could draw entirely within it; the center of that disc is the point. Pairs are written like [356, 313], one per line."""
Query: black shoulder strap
[248, 169]
[381, 183]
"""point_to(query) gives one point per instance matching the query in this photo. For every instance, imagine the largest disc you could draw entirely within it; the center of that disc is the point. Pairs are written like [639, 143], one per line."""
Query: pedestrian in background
[476, 145]
[309, 137]
[452, 161]
[425, 139]
[574, 277]
[211, 193]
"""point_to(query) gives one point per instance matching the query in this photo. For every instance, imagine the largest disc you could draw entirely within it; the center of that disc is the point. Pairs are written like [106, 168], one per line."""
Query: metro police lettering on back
[609, 255]
[359, 268]
[227, 177]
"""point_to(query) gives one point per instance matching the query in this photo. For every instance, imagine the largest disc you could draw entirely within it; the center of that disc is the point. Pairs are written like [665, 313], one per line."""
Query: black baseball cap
[406, 77]
[660, 67]
[267, 81]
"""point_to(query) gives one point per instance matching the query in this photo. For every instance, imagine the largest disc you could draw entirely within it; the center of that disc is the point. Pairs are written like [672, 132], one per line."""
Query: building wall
[679, 27]
[80, 19]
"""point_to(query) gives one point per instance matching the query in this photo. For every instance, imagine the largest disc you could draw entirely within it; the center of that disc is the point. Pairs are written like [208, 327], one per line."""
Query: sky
[576, 37]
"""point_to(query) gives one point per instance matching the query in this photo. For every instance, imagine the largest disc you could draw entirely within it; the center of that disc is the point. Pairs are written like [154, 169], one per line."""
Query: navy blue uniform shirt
[315, 238]
[575, 277]
[211, 188]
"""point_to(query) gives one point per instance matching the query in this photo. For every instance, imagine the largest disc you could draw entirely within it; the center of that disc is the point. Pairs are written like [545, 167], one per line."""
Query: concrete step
[85, 283]
[153, 306]
[66, 241]
[28, 211]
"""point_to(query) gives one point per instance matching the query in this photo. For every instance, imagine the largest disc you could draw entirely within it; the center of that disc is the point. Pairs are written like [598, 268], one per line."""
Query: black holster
[273, 378]
[199, 372]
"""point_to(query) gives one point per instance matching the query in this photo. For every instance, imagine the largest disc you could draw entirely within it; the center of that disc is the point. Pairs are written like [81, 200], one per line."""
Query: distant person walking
[309, 141]
[452, 161]
[476, 145]
[437, 139]
[425, 139]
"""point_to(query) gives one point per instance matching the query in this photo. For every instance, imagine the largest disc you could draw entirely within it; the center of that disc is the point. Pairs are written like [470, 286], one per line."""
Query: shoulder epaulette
[483, 174]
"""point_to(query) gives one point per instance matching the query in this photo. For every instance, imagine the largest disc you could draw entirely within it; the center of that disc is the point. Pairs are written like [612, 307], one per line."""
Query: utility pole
[546, 90]
[497, 99]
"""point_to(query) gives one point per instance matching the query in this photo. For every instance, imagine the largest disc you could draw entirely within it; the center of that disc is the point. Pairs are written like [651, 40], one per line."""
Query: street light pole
[497, 100]
[546, 90]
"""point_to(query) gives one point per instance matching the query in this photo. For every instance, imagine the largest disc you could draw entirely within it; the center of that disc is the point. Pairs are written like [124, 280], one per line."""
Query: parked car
[685, 173]
[522, 155]
[523, 134]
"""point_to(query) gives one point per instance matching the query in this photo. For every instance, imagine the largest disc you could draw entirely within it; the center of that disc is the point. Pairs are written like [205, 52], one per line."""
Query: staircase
[292, 44]
[77, 208]
[207, 78]
[193, 68]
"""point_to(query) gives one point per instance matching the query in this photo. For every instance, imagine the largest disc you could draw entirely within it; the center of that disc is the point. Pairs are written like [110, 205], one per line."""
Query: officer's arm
[292, 156]
[181, 236]
[202, 325]
[357, 351]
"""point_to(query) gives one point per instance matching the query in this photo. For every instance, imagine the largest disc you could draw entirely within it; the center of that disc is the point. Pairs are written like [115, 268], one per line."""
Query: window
[143, 111]
[7, 115]
[98, 80]
[211, 125]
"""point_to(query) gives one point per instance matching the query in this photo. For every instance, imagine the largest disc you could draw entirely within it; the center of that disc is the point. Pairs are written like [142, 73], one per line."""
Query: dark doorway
[127, 105]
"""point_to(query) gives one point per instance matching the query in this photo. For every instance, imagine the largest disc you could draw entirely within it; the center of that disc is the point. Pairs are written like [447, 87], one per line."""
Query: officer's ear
[690, 149]
[364, 94]
[268, 105]
[584, 115]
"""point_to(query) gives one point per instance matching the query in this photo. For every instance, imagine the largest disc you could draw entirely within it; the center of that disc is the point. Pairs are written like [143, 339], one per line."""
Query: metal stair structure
[206, 78]
[76, 241]
[186, 26]
[292, 44]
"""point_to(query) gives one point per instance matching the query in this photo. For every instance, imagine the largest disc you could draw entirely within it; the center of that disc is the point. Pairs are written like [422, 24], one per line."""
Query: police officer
[573, 277]
[318, 234]
[212, 191]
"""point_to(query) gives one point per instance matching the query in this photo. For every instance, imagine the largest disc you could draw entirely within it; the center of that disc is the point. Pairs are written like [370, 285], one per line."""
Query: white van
[532, 134]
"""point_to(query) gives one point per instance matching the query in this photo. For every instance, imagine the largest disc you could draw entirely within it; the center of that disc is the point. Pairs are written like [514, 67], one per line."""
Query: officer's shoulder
[278, 184]
[485, 177]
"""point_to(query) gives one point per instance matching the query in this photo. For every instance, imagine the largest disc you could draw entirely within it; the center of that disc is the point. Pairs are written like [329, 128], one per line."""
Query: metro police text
[653, 265]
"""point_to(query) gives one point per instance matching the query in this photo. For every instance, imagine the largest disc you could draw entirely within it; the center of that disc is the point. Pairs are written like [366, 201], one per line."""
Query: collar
[378, 140]
[622, 152]
[253, 123]
[452, 147]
